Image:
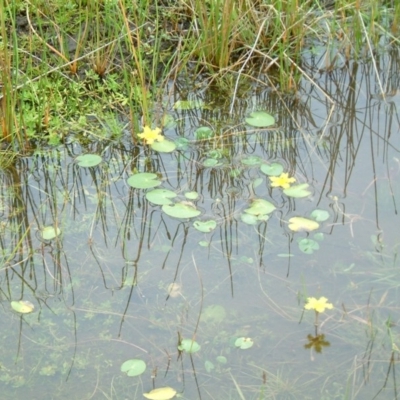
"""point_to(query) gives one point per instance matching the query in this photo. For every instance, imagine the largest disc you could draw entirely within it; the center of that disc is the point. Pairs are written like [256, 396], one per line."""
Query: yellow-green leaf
[164, 393]
[302, 224]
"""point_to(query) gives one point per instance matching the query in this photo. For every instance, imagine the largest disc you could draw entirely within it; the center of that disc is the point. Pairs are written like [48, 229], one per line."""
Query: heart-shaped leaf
[191, 195]
[181, 210]
[308, 246]
[274, 169]
[189, 345]
[244, 343]
[260, 207]
[302, 224]
[133, 367]
[297, 191]
[188, 104]
[88, 160]
[205, 226]
[165, 146]
[50, 232]
[204, 133]
[144, 180]
[260, 119]
[211, 162]
[160, 196]
[251, 161]
[320, 215]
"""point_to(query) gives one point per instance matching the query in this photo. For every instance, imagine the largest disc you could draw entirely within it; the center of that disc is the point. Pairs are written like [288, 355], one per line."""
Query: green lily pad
[209, 366]
[211, 162]
[274, 169]
[191, 195]
[250, 219]
[302, 224]
[133, 367]
[189, 345]
[88, 160]
[143, 180]
[297, 191]
[308, 246]
[188, 104]
[260, 207]
[165, 146]
[160, 196]
[181, 143]
[181, 210]
[205, 226]
[319, 236]
[204, 243]
[222, 359]
[320, 215]
[251, 161]
[244, 343]
[22, 306]
[260, 119]
[204, 133]
[49, 232]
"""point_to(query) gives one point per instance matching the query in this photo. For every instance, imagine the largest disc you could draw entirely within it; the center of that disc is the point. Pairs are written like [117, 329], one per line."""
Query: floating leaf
[133, 367]
[320, 215]
[160, 196]
[164, 393]
[209, 366]
[188, 104]
[144, 180]
[49, 232]
[260, 207]
[302, 224]
[22, 306]
[251, 160]
[214, 314]
[260, 119]
[165, 146]
[204, 133]
[205, 226]
[250, 219]
[189, 345]
[274, 169]
[181, 143]
[204, 243]
[211, 162]
[88, 160]
[297, 191]
[319, 236]
[191, 195]
[222, 359]
[244, 343]
[308, 246]
[181, 210]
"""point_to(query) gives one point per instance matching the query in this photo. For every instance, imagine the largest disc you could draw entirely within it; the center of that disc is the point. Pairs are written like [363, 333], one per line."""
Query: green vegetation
[91, 69]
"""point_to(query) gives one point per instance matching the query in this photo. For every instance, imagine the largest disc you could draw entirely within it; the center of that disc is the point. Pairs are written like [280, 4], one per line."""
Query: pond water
[124, 280]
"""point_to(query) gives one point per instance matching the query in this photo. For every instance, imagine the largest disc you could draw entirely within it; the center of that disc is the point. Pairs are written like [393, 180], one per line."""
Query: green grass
[62, 61]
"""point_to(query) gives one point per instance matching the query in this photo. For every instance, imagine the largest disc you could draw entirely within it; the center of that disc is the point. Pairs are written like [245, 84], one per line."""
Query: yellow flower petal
[318, 305]
[282, 181]
[150, 135]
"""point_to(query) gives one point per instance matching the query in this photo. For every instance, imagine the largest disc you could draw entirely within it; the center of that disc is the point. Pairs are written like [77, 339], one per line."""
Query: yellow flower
[318, 305]
[282, 181]
[150, 135]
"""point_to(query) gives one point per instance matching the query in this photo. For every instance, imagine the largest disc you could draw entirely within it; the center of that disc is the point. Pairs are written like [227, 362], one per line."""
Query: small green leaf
[244, 343]
[88, 160]
[297, 191]
[50, 232]
[298, 224]
[22, 306]
[205, 226]
[211, 162]
[251, 161]
[308, 246]
[133, 367]
[319, 236]
[191, 195]
[260, 119]
[189, 346]
[204, 243]
[165, 146]
[181, 210]
[274, 169]
[144, 180]
[209, 366]
[222, 359]
[214, 314]
[260, 207]
[188, 104]
[320, 215]
[181, 143]
[204, 133]
[160, 196]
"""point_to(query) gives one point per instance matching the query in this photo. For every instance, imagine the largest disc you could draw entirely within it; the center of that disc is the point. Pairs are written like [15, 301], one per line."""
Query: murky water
[126, 281]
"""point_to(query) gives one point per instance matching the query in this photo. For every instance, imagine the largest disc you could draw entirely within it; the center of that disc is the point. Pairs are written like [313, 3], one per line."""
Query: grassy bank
[93, 69]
